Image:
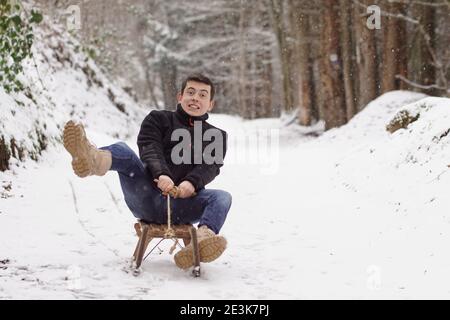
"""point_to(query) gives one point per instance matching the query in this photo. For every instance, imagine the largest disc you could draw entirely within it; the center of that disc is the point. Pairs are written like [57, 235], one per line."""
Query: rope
[170, 233]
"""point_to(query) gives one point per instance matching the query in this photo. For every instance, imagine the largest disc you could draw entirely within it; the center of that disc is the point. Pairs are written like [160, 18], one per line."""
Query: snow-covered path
[305, 231]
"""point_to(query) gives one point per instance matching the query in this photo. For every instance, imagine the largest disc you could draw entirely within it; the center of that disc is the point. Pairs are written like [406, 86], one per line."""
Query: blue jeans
[145, 200]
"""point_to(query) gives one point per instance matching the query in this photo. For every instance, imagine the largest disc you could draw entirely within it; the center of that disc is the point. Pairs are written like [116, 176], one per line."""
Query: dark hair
[197, 77]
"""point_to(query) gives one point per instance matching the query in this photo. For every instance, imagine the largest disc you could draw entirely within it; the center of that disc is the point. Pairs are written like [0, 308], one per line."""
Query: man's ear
[211, 105]
[179, 96]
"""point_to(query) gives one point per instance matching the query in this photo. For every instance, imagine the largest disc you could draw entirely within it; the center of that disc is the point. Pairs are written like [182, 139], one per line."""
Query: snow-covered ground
[355, 213]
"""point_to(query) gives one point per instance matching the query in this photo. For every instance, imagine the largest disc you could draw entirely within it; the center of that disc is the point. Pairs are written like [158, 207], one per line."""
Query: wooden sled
[147, 232]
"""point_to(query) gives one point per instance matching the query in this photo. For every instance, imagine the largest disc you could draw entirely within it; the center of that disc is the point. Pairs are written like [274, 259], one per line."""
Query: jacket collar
[187, 119]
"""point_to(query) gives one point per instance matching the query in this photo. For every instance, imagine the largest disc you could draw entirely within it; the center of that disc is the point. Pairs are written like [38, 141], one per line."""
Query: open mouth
[194, 106]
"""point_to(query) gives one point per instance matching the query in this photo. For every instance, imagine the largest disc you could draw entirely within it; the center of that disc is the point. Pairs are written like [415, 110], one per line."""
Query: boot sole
[209, 249]
[73, 140]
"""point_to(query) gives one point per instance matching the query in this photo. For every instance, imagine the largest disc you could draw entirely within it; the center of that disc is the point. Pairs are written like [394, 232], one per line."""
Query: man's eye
[191, 93]
[202, 95]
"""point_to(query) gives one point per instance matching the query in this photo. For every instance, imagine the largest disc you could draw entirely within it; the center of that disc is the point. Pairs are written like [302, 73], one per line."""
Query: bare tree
[270, 56]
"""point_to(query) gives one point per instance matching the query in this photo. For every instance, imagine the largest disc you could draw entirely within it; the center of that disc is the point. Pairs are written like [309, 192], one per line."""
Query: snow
[59, 90]
[356, 213]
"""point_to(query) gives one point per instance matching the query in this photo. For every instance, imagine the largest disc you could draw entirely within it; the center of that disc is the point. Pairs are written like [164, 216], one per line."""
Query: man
[146, 180]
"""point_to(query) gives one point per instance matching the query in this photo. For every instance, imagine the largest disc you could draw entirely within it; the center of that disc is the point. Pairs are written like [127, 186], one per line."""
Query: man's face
[196, 98]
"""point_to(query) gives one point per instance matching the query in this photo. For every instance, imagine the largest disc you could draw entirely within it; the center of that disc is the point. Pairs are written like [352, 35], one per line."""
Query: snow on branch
[420, 86]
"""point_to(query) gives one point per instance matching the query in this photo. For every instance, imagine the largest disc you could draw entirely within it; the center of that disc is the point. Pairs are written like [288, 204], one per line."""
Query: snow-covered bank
[64, 84]
[392, 165]
[382, 209]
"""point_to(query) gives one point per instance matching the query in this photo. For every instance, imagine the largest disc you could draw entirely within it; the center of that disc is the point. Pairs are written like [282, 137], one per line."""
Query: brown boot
[210, 246]
[86, 158]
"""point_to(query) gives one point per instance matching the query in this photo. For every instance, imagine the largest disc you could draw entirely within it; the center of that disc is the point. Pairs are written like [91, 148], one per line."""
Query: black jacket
[155, 147]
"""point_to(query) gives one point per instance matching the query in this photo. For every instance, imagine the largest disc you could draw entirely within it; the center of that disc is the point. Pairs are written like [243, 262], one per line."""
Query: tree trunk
[422, 61]
[243, 94]
[333, 107]
[276, 9]
[347, 54]
[253, 70]
[292, 8]
[305, 66]
[366, 58]
[168, 74]
[266, 102]
[394, 50]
